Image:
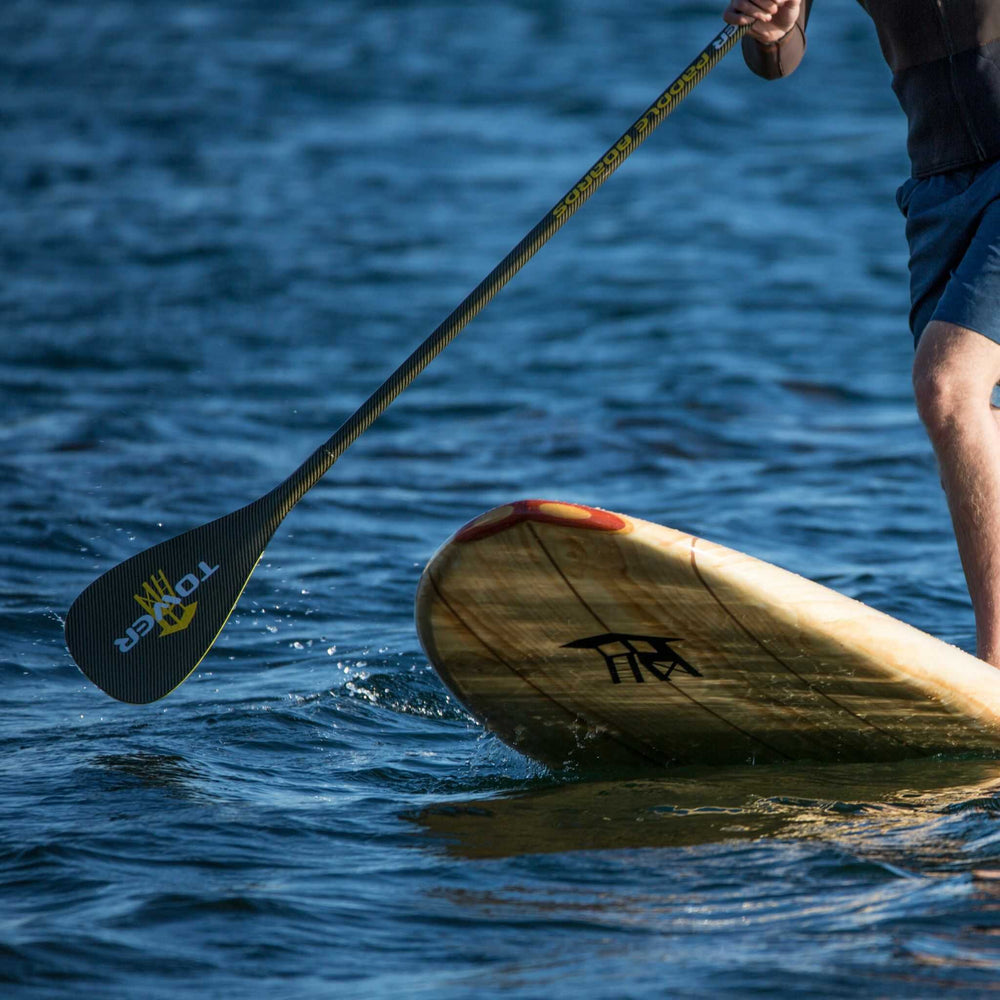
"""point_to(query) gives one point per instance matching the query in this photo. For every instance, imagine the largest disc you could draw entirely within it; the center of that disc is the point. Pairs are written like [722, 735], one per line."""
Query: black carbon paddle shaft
[140, 629]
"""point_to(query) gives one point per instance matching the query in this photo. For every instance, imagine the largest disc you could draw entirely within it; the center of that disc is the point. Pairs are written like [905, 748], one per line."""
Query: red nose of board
[568, 515]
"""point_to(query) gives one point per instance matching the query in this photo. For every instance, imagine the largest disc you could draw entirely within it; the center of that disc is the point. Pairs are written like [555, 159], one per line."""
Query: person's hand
[771, 19]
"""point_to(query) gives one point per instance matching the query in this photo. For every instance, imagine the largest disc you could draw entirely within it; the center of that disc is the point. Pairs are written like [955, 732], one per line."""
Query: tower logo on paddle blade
[162, 603]
[651, 653]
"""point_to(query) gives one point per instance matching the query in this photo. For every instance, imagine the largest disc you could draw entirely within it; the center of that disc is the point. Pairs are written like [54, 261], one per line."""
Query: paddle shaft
[143, 626]
[309, 473]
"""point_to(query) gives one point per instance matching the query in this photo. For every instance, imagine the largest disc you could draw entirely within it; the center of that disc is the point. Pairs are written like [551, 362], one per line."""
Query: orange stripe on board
[568, 515]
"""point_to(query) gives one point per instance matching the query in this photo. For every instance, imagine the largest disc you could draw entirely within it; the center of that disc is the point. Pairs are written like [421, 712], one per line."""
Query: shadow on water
[876, 803]
[164, 771]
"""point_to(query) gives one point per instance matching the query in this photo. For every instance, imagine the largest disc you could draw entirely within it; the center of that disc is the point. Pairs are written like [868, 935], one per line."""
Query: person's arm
[774, 45]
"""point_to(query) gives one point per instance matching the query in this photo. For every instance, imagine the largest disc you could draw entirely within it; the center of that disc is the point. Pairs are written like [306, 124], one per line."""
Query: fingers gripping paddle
[140, 629]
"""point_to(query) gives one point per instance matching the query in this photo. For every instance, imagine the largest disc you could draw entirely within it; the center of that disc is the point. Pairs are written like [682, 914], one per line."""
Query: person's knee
[948, 375]
[940, 391]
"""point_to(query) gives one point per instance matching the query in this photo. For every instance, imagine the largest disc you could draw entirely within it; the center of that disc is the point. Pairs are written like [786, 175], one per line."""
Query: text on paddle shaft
[648, 120]
[162, 605]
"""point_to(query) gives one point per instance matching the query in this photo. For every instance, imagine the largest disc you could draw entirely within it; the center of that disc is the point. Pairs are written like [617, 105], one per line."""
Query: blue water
[222, 224]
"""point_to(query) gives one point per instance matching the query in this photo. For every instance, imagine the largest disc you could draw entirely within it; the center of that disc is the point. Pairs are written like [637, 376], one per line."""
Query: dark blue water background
[222, 224]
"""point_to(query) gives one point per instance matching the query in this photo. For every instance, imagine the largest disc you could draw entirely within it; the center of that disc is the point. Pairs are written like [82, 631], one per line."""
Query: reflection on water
[880, 807]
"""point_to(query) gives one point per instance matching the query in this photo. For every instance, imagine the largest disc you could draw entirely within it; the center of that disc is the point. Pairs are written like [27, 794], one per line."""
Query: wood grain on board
[582, 635]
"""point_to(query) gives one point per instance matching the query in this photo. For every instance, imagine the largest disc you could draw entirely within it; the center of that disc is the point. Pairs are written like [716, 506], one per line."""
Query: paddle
[139, 630]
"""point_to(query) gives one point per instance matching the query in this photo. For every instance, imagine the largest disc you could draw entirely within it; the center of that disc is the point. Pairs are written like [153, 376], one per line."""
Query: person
[945, 60]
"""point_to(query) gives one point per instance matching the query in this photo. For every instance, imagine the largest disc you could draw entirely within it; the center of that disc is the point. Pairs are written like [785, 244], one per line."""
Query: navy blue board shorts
[953, 228]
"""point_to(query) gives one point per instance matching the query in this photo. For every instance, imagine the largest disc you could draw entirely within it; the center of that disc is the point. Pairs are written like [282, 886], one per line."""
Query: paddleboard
[579, 635]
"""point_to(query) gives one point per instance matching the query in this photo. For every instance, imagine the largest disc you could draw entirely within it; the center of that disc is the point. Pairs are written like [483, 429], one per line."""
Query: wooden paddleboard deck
[580, 635]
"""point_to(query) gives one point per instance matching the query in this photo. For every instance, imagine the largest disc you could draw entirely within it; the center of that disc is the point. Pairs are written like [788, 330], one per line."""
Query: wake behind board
[577, 634]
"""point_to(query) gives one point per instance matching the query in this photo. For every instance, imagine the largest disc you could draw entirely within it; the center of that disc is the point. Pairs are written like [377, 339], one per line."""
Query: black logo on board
[652, 653]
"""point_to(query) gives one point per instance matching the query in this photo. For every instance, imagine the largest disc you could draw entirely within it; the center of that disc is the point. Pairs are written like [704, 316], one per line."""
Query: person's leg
[954, 372]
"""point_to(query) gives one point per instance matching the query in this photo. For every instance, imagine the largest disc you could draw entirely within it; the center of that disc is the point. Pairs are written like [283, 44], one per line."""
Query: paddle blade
[140, 630]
